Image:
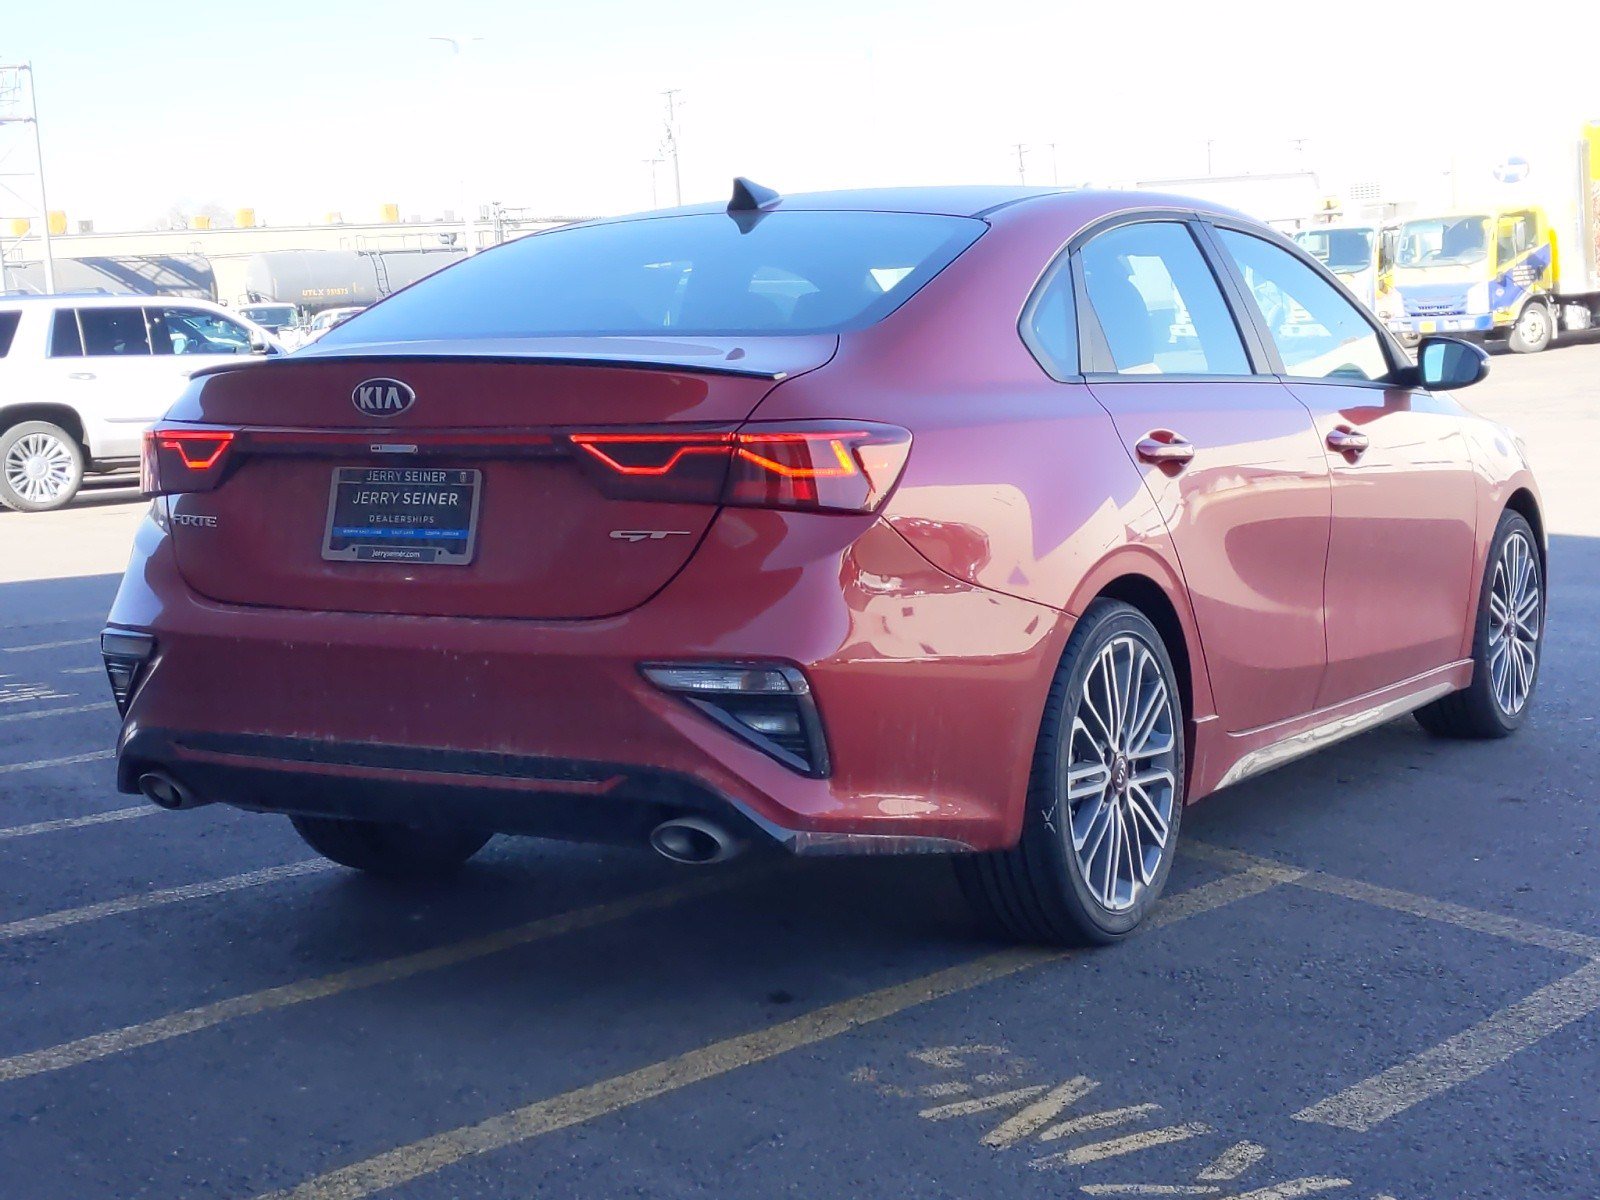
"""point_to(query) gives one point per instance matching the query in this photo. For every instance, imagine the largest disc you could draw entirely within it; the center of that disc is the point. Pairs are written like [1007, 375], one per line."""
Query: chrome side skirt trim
[1298, 745]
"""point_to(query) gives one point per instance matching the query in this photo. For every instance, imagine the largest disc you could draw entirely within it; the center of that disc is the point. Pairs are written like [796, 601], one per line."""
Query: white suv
[82, 376]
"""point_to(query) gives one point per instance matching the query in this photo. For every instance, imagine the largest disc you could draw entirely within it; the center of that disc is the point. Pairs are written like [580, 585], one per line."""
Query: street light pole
[38, 153]
[469, 215]
[672, 143]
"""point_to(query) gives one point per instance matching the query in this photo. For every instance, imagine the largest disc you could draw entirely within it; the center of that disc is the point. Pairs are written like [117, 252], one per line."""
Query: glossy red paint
[1300, 586]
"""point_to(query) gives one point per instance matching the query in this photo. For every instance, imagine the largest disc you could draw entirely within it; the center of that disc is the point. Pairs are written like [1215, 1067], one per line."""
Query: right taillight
[824, 466]
[187, 459]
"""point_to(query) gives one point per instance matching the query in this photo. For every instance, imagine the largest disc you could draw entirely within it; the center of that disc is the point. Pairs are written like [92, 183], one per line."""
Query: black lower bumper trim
[573, 800]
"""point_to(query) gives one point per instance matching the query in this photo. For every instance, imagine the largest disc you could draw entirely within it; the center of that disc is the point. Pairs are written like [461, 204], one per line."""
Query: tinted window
[64, 339]
[1318, 329]
[1160, 307]
[195, 331]
[8, 330]
[1050, 324]
[707, 275]
[113, 331]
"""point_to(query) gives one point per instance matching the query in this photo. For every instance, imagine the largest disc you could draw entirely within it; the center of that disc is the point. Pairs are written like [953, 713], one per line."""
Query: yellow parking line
[1459, 915]
[1465, 1056]
[49, 645]
[100, 818]
[430, 1154]
[49, 922]
[389, 970]
[41, 764]
[36, 714]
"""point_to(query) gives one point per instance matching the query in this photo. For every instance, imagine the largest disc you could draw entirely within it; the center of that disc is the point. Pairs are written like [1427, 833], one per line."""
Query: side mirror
[259, 344]
[1444, 363]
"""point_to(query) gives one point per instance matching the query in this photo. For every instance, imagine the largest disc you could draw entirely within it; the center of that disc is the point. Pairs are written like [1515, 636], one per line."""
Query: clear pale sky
[298, 109]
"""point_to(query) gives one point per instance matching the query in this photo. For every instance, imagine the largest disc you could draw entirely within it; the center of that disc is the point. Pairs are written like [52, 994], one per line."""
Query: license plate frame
[424, 539]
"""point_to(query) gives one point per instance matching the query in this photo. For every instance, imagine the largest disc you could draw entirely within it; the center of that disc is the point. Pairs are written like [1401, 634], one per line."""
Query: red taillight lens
[182, 460]
[824, 466]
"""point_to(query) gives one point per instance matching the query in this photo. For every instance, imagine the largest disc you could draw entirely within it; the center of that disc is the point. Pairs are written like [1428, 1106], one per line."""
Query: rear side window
[700, 275]
[1050, 324]
[1159, 305]
[113, 332]
[8, 330]
[64, 339]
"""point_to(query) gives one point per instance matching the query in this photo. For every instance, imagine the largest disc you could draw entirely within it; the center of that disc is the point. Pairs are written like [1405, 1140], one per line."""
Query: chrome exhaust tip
[164, 791]
[694, 840]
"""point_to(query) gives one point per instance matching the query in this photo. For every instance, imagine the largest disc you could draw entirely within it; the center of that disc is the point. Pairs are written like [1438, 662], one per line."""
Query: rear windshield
[702, 275]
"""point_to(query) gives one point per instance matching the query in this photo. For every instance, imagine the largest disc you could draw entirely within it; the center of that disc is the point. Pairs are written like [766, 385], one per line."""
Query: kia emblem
[382, 397]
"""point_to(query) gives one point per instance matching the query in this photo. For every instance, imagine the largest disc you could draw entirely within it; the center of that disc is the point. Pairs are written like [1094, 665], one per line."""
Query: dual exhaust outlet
[691, 840]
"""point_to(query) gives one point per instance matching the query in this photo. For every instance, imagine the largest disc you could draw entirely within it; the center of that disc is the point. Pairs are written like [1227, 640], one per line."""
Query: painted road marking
[36, 714]
[1234, 1161]
[49, 645]
[434, 1153]
[20, 692]
[49, 922]
[1128, 1143]
[40, 764]
[389, 970]
[1463, 1057]
[115, 814]
[1510, 928]
[82, 670]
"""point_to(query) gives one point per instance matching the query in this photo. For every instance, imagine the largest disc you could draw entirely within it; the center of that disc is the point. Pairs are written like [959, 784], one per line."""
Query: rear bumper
[929, 691]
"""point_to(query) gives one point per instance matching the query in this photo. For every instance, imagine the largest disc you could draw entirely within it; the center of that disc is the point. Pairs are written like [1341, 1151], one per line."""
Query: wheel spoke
[1087, 779]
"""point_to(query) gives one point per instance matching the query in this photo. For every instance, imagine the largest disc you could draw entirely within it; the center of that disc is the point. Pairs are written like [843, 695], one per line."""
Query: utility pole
[670, 144]
[653, 163]
[1210, 144]
[38, 151]
[1022, 170]
[1055, 176]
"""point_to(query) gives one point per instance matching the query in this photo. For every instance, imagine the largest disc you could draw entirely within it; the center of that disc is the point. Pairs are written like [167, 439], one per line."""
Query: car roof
[980, 201]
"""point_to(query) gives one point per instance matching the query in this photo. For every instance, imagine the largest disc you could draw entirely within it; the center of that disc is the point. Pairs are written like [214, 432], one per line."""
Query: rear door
[98, 361]
[1229, 454]
[1403, 540]
[325, 444]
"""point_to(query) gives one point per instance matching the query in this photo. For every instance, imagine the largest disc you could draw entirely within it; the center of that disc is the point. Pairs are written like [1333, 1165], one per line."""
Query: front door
[1403, 541]
[1230, 457]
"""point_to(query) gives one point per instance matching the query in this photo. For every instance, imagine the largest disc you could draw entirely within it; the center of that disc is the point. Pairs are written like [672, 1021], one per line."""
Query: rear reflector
[768, 706]
[821, 466]
[175, 460]
[125, 656]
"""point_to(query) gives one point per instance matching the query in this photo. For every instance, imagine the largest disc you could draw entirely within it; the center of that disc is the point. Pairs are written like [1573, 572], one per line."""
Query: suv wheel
[41, 467]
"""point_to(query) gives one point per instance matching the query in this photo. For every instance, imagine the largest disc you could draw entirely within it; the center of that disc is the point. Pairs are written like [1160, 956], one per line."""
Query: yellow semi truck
[1516, 258]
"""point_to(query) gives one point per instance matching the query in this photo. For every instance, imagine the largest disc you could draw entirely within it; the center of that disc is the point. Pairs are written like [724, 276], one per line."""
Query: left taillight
[830, 466]
[188, 459]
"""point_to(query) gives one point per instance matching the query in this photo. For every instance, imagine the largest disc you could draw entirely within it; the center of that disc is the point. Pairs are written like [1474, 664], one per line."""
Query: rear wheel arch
[1146, 595]
[61, 415]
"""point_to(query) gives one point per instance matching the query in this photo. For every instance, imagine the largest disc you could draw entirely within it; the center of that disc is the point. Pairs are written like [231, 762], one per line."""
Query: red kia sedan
[998, 523]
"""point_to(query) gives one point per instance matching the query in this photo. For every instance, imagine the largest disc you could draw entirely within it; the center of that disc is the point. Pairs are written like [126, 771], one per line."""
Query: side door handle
[81, 375]
[1347, 441]
[1165, 448]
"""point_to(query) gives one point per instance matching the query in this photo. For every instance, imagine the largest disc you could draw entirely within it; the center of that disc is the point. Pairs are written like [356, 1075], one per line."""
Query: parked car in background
[271, 315]
[82, 377]
[996, 522]
[310, 331]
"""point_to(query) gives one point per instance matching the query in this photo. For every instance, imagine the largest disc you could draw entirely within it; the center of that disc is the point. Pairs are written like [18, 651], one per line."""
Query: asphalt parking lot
[1376, 973]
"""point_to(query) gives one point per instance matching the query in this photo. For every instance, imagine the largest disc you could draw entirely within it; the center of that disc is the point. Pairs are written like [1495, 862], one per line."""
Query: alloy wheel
[39, 468]
[1121, 781]
[1515, 624]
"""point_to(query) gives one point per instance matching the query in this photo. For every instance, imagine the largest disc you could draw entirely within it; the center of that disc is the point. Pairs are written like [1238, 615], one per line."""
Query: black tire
[1534, 330]
[1037, 891]
[1475, 712]
[389, 849]
[66, 458]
